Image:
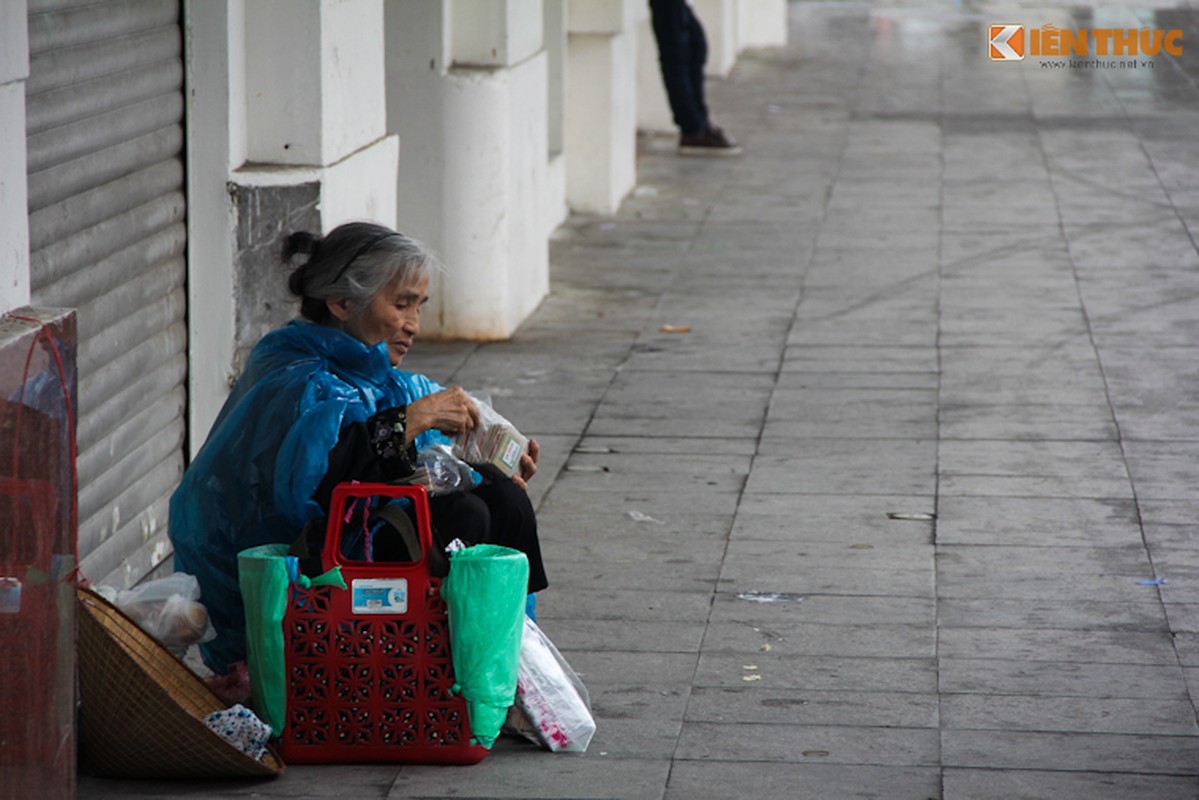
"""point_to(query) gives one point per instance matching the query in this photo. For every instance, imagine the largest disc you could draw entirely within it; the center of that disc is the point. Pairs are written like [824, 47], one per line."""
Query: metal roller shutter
[107, 233]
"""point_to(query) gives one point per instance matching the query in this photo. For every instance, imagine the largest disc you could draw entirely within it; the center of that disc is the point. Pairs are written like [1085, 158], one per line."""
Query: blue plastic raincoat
[252, 482]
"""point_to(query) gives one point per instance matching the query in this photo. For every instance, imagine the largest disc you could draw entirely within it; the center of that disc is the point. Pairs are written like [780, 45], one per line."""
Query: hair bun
[300, 243]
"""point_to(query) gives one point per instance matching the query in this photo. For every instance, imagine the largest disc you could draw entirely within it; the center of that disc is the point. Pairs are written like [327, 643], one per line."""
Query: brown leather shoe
[712, 142]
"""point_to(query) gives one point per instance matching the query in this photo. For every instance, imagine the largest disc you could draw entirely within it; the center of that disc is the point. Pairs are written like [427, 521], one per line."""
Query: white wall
[14, 214]
[216, 142]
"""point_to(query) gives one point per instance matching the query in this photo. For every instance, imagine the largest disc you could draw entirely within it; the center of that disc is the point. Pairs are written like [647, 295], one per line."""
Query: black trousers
[682, 51]
[497, 512]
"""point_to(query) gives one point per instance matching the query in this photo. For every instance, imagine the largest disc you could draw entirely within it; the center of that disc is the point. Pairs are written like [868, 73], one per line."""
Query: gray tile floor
[933, 285]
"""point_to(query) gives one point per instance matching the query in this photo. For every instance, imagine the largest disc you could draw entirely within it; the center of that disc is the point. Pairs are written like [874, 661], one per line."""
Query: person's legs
[674, 29]
[514, 524]
[459, 515]
[698, 52]
[498, 512]
[682, 53]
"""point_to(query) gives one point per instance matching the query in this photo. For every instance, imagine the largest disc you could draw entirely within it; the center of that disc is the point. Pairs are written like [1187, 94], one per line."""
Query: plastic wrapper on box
[494, 441]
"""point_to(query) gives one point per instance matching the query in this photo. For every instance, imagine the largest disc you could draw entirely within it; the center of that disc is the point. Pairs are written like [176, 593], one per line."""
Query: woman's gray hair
[356, 261]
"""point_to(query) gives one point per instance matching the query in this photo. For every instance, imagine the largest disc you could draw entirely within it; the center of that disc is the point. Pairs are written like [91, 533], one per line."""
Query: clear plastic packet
[441, 472]
[169, 609]
[494, 441]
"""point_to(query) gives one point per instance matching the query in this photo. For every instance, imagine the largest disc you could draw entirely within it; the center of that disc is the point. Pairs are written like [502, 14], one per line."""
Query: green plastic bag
[265, 575]
[485, 592]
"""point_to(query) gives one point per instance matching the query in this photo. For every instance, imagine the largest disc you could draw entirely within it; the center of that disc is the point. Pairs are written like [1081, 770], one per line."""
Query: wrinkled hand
[449, 411]
[528, 465]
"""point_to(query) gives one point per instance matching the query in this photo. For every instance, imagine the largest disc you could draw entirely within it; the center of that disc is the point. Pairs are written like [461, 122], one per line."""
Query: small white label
[380, 595]
[512, 451]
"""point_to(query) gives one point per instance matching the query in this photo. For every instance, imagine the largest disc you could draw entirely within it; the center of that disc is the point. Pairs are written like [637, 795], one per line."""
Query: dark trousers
[497, 512]
[682, 51]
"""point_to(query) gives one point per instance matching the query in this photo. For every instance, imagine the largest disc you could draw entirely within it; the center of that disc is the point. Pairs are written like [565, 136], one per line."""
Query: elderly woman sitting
[321, 402]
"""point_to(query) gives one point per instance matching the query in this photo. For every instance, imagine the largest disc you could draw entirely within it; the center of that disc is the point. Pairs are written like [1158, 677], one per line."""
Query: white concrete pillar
[495, 33]
[468, 93]
[315, 90]
[601, 108]
[761, 23]
[554, 29]
[14, 210]
[719, 18]
[287, 130]
[653, 106]
[313, 80]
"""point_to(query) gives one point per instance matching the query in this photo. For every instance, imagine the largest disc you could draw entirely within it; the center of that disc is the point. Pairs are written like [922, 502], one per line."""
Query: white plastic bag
[550, 697]
[168, 609]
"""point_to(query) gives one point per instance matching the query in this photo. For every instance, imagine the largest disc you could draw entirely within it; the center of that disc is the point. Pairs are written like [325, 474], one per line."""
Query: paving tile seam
[815, 726]
[838, 625]
[1061, 696]
[943, 372]
[775, 657]
[1039, 439]
[811, 760]
[1187, 737]
[856, 692]
[1056, 176]
[839, 595]
[1027, 438]
[775, 374]
[627, 365]
[1106, 771]
[954, 495]
[1052, 544]
[1174, 670]
[1049, 770]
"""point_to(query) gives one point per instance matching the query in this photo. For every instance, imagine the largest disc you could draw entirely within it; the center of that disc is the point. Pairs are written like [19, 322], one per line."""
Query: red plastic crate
[373, 686]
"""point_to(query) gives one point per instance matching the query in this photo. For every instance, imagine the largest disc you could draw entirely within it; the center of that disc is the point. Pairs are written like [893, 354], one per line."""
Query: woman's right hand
[449, 411]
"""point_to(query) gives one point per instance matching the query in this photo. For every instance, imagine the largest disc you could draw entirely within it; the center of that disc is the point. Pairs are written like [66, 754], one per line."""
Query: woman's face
[393, 316]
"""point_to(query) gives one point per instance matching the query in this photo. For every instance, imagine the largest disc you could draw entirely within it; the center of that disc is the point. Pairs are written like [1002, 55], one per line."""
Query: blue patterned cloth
[240, 727]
